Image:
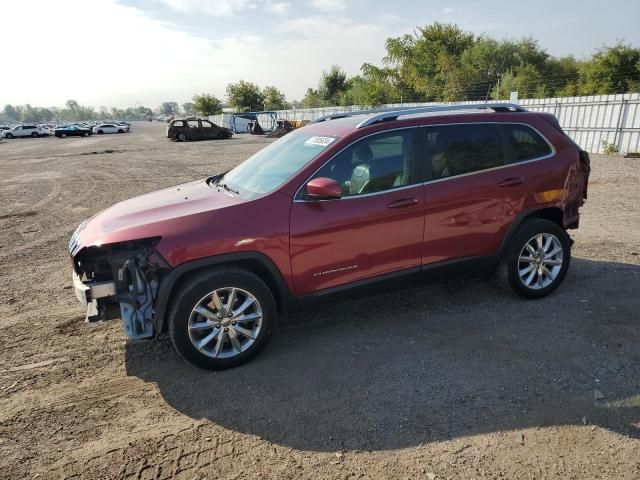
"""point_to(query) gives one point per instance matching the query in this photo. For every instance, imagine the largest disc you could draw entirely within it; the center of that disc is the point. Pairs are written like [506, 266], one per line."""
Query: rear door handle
[511, 182]
[405, 202]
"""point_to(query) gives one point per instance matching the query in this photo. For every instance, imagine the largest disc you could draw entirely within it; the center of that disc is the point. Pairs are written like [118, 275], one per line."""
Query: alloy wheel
[226, 322]
[540, 261]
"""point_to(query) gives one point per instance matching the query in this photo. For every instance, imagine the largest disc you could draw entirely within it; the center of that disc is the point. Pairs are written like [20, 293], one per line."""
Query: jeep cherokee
[344, 202]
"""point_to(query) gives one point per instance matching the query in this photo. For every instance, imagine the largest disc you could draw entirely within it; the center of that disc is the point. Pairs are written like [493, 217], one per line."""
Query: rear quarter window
[527, 144]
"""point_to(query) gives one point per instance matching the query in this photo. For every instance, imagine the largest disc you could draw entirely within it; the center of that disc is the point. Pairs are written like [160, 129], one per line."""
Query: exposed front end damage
[119, 281]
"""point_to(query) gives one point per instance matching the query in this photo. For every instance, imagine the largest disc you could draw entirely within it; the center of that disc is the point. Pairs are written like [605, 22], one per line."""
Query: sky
[143, 52]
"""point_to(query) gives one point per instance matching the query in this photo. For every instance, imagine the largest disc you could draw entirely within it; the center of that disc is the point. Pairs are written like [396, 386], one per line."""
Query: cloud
[215, 8]
[85, 58]
[279, 8]
[329, 6]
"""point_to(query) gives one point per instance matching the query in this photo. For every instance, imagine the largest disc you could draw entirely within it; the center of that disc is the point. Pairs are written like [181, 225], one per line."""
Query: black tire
[120, 130]
[197, 287]
[85, 134]
[181, 137]
[9, 135]
[34, 135]
[508, 275]
[100, 132]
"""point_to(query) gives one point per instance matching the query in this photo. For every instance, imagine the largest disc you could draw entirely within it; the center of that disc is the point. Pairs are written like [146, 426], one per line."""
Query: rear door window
[527, 144]
[454, 150]
[193, 123]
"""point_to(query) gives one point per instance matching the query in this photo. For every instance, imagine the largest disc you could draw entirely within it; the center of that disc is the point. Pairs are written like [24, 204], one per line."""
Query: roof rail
[393, 115]
[335, 116]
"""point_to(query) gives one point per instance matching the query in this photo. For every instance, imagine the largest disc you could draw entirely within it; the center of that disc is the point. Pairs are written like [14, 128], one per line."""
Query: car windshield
[272, 166]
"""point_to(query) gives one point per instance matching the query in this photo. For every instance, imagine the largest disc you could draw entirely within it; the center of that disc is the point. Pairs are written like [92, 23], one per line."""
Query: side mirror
[323, 188]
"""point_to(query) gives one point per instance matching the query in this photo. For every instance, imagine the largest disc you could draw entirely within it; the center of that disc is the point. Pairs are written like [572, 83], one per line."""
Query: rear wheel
[120, 130]
[182, 137]
[8, 135]
[222, 319]
[536, 260]
[34, 135]
[100, 132]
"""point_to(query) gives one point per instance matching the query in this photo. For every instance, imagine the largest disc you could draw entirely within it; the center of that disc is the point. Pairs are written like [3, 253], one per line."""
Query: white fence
[590, 120]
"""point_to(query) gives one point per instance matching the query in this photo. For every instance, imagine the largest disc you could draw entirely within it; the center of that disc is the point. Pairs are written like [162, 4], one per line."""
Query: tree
[169, 108]
[11, 113]
[332, 84]
[245, 96]
[206, 104]
[312, 98]
[188, 109]
[429, 60]
[274, 99]
[612, 70]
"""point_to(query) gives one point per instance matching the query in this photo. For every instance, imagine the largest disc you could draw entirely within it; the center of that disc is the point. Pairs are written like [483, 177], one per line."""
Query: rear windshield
[272, 166]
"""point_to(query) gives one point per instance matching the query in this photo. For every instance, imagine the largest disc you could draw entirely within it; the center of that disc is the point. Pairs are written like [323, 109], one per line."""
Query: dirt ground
[455, 380]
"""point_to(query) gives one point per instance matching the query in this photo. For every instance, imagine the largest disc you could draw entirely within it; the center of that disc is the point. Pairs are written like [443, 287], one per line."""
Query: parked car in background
[109, 128]
[22, 131]
[72, 131]
[344, 202]
[188, 129]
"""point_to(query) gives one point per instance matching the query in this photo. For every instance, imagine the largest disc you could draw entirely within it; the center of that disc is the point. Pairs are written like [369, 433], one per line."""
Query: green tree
[429, 60]
[332, 84]
[611, 70]
[169, 108]
[312, 98]
[274, 99]
[206, 104]
[188, 109]
[11, 113]
[245, 96]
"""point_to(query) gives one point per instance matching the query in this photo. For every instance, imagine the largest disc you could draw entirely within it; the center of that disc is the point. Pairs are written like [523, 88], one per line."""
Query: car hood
[153, 214]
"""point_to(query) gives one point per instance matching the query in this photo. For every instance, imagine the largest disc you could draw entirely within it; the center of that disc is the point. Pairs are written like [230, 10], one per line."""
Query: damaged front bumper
[119, 281]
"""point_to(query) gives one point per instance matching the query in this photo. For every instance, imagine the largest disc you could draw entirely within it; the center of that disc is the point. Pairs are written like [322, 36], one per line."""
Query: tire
[221, 135]
[198, 292]
[9, 135]
[513, 274]
[120, 131]
[34, 135]
[100, 132]
[85, 134]
[182, 137]
[64, 135]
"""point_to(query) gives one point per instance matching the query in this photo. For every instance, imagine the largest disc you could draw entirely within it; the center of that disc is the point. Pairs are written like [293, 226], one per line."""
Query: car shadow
[432, 363]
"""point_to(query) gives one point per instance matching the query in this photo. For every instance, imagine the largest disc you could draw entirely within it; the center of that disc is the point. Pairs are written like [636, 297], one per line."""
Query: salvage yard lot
[455, 380]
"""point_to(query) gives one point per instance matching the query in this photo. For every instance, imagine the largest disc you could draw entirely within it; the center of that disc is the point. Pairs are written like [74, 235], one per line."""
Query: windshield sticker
[321, 141]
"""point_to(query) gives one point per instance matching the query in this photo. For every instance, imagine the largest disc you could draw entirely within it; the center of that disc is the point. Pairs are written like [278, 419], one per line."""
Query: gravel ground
[455, 380]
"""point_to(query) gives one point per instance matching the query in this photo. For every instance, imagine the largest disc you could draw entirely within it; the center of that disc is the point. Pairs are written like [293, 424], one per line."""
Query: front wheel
[120, 130]
[8, 135]
[536, 260]
[34, 135]
[222, 319]
[182, 137]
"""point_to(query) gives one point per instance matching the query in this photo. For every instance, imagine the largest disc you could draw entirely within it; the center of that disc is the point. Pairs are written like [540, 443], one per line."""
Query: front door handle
[405, 202]
[511, 182]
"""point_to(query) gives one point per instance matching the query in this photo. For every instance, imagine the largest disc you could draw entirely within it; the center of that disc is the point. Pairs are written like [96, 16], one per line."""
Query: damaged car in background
[348, 201]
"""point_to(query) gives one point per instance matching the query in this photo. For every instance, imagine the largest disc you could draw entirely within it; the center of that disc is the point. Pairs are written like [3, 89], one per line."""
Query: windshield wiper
[216, 178]
[228, 188]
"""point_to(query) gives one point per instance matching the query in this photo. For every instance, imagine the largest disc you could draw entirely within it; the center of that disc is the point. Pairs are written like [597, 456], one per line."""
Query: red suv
[347, 201]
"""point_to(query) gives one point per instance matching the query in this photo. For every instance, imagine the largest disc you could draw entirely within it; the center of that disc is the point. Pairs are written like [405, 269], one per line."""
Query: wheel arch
[254, 262]
[553, 214]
